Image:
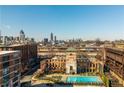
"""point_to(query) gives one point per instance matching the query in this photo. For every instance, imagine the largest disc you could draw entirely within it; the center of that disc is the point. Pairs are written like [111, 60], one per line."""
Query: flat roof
[17, 45]
[70, 49]
[7, 46]
[117, 49]
[14, 45]
[7, 52]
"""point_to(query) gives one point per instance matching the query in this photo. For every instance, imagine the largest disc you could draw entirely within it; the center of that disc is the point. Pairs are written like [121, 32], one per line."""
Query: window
[5, 58]
[15, 55]
[15, 79]
[5, 49]
[16, 61]
[71, 67]
[5, 71]
[16, 73]
[5, 80]
[6, 65]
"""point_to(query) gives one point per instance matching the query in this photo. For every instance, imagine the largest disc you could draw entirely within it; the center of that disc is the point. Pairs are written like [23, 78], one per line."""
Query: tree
[98, 42]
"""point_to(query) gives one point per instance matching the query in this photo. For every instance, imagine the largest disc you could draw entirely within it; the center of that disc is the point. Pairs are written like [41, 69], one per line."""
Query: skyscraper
[51, 36]
[55, 39]
[22, 36]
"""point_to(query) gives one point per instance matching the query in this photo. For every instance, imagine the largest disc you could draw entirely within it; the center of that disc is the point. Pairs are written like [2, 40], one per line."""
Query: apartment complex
[114, 61]
[71, 62]
[10, 68]
[28, 54]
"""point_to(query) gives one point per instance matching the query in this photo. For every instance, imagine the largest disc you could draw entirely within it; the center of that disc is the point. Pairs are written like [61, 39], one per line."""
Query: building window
[5, 80]
[5, 71]
[5, 58]
[5, 49]
[16, 61]
[71, 67]
[15, 79]
[15, 55]
[16, 73]
[6, 65]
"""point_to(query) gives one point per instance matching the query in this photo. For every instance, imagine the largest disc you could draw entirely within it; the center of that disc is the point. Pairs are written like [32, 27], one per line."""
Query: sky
[66, 22]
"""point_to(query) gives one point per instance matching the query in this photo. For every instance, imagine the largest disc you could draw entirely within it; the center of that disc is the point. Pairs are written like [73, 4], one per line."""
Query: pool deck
[63, 79]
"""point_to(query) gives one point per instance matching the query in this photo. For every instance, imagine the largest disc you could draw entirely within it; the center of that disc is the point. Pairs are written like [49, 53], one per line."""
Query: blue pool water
[83, 79]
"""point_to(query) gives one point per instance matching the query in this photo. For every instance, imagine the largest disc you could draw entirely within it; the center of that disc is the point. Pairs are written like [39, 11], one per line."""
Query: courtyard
[58, 79]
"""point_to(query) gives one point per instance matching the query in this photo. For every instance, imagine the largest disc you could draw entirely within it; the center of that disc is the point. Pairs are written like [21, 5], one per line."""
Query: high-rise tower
[51, 36]
[55, 39]
[22, 36]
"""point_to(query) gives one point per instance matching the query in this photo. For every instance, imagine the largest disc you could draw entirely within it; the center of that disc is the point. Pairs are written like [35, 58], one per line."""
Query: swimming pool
[83, 79]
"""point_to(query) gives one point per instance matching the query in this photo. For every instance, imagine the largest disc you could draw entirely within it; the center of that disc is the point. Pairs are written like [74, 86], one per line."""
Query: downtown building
[10, 68]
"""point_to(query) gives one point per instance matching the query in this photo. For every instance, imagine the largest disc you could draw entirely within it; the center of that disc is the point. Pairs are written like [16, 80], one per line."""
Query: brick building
[70, 63]
[28, 54]
[114, 63]
[10, 68]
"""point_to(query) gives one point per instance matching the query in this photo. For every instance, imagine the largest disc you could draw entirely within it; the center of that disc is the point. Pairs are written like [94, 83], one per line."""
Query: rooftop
[59, 57]
[117, 49]
[11, 45]
[7, 52]
[14, 45]
[71, 49]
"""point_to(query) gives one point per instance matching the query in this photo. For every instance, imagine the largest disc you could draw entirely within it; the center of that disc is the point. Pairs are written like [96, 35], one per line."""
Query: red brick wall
[55, 66]
[11, 63]
[27, 51]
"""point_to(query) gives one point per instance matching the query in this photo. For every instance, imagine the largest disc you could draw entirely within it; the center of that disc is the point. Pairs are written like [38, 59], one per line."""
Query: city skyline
[66, 22]
[61, 46]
